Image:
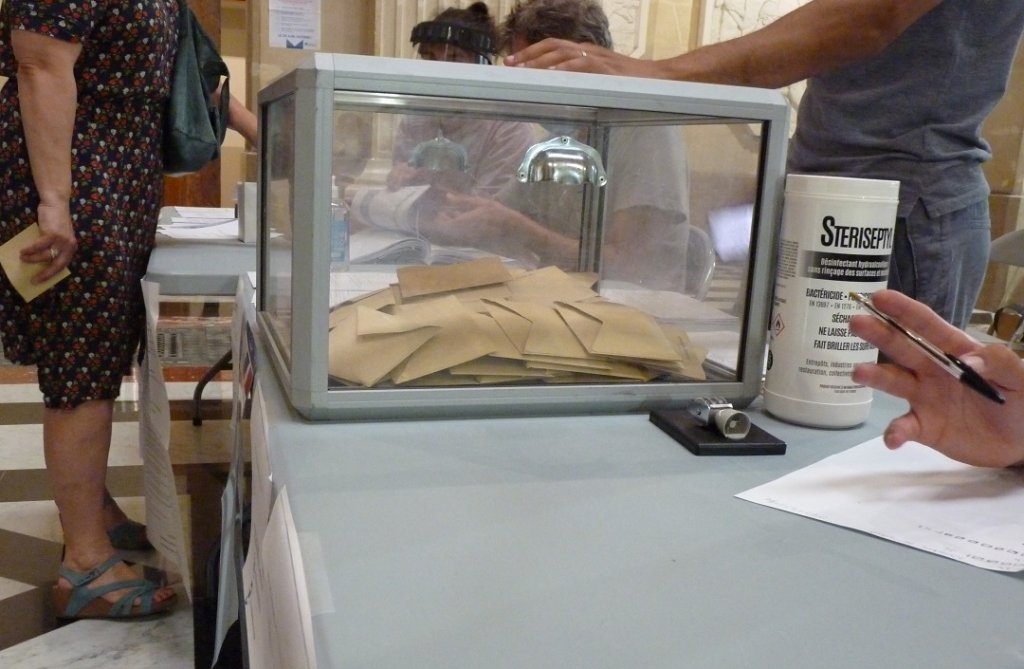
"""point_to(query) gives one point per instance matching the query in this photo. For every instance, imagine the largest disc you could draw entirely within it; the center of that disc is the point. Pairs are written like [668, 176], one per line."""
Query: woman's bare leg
[76, 445]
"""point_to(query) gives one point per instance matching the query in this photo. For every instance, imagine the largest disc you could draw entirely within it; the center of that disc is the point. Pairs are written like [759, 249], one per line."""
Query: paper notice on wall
[295, 24]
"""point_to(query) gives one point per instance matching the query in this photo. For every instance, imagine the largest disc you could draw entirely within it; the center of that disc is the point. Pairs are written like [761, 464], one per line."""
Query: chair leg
[197, 397]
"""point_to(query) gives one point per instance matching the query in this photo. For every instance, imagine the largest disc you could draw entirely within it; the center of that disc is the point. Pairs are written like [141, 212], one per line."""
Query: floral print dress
[82, 334]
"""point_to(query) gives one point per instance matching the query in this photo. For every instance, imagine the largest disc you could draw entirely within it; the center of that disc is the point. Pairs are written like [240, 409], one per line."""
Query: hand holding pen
[952, 415]
[947, 361]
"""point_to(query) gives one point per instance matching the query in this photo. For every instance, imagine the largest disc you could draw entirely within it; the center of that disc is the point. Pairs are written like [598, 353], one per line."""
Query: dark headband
[442, 32]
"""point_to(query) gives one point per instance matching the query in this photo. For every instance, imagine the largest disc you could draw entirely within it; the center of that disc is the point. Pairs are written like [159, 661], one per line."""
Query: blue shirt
[914, 112]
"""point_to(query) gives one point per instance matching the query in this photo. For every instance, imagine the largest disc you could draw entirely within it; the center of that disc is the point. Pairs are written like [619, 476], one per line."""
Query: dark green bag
[194, 127]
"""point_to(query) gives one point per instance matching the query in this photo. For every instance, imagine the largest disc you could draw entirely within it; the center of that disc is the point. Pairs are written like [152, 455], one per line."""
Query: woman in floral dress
[80, 154]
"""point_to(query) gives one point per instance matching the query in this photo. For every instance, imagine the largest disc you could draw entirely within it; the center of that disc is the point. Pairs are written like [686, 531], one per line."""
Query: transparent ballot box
[445, 239]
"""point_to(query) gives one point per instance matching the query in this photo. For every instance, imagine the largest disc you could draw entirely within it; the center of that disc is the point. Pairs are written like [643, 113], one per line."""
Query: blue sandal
[81, 602]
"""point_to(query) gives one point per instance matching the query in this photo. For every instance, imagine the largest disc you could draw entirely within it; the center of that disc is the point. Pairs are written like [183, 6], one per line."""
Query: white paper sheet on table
[914, 496]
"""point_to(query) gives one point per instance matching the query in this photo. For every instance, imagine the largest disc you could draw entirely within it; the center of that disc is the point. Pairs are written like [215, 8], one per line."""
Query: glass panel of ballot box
[443, 239]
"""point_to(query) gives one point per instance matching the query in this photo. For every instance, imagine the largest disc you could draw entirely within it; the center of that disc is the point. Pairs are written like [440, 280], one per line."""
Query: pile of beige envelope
[480, 322]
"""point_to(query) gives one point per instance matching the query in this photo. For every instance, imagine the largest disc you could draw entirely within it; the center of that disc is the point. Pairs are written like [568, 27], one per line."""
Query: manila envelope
[425, 280]
[551, 284]
[626, 332]
[500, 369]
[563, 292]
[375, 300]
[458, 340]
[505, 363]
[372, 322]
[368, 359]
[503, 346]
[590, 378]
[515, 327]
[595, 368]
[441, 378]
[587, 328]
[560, 363]
[691, 363]
[21, 273]
[472, 298]
[549, 335]
[517, 330]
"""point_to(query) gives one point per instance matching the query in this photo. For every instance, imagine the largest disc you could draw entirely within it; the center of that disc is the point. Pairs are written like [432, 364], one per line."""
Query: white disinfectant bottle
[837, 236]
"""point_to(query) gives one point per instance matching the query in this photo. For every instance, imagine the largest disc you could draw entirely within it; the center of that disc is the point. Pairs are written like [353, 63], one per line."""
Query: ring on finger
[583, 53]
[53, 253]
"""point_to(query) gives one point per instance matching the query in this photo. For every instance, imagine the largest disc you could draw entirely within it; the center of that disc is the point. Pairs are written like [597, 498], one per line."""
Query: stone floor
[30, 538]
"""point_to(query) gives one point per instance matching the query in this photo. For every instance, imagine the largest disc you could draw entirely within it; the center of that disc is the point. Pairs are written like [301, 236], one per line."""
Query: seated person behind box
[647, 196]
[492, 149]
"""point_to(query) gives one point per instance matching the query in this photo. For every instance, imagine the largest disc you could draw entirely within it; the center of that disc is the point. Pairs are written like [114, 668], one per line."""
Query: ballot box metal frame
[300, 356]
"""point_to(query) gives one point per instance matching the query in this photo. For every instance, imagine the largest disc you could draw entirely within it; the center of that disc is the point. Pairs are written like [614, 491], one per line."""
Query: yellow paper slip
[20, 273]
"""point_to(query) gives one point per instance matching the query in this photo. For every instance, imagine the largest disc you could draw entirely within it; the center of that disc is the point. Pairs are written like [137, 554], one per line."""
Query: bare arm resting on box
[944, 414]
[815, 38]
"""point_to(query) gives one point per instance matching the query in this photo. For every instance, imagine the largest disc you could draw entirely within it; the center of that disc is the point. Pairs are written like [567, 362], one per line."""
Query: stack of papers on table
[375, 246]
[380, 246]
[200, 223]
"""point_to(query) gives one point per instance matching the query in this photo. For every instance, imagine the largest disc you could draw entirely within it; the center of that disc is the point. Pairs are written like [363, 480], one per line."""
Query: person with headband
[489, 151]
[647, 198]
[457, 36]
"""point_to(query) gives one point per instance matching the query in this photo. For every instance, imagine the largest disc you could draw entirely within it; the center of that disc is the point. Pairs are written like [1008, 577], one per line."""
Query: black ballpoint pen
[947, 361]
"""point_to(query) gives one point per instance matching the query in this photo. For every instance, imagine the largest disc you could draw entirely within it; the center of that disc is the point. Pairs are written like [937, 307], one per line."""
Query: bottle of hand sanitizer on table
[339, 229]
